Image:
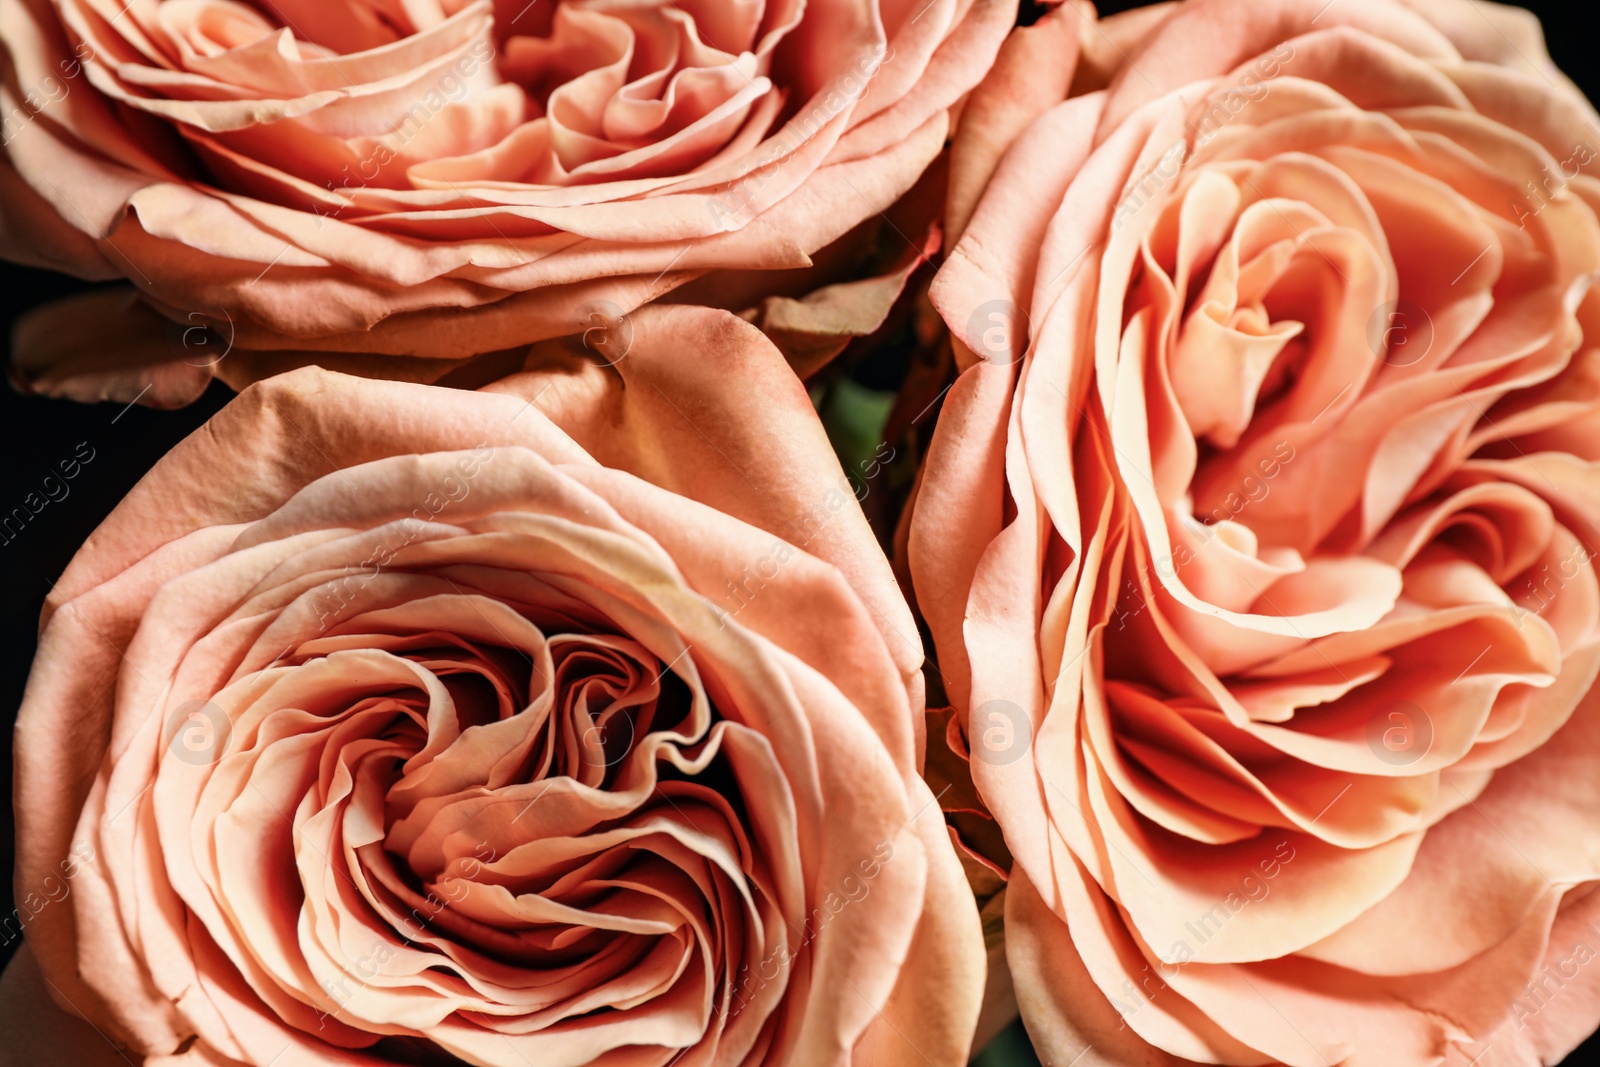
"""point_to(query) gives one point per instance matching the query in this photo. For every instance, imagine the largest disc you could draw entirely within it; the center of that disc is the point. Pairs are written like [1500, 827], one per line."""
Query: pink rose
[1256, 537]
[441, 178]
[382, 724]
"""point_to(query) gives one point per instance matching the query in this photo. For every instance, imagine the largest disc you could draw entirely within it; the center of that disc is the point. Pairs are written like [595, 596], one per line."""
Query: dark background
[36, 434]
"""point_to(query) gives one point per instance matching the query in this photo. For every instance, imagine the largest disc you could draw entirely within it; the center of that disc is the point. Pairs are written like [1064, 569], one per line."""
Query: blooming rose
[382, 724]
[444, 178]
[1257, 534]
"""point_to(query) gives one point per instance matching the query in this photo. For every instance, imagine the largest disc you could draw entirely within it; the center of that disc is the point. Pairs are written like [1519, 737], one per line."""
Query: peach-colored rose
[1256, 536]
[444, 178]
[382, 724]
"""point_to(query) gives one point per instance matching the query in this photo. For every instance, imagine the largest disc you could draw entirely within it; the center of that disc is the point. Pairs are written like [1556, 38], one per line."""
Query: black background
[36, 434]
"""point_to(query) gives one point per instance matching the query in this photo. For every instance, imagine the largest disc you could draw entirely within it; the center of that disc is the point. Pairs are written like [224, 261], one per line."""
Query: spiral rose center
[518, 819]
[1334, 527]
